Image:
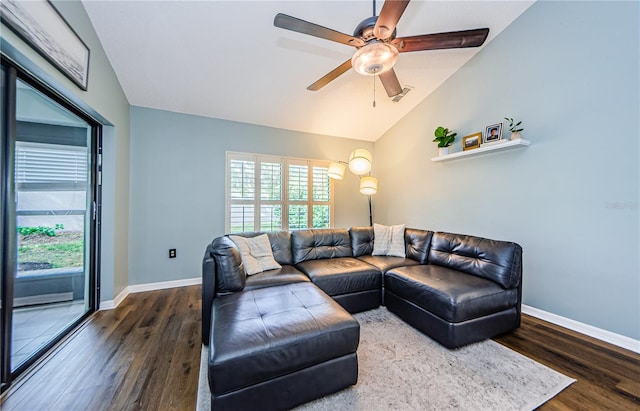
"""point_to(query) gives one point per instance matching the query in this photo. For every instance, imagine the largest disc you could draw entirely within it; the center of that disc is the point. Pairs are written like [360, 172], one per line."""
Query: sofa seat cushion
[452, 295]
[263, 334]
[386, 263]
[287, 274]
[342, 275]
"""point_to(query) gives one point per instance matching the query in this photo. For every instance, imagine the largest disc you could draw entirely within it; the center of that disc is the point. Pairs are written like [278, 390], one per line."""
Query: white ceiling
[225, 59]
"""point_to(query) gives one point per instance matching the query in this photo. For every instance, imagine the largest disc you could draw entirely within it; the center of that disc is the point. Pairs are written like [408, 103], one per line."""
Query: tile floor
[35, 326]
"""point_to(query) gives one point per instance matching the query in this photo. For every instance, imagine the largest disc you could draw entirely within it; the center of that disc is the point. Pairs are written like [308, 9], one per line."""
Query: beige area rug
[402, 369]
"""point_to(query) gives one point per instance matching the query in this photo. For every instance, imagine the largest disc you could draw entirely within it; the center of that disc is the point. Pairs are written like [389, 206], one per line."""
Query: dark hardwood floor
[608, 377]
[146, 355]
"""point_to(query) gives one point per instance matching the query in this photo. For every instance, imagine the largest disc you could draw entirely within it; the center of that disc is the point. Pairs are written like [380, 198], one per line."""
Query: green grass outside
[58, 251]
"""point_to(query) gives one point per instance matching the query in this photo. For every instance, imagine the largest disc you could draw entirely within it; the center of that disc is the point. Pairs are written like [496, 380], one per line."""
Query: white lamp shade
[374, 59]
[368, 185]
[336, 171]
[360, 161]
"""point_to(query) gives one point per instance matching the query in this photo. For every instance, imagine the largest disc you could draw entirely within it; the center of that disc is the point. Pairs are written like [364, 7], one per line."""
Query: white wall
[106, 97]
[178, 184]
[570, 71]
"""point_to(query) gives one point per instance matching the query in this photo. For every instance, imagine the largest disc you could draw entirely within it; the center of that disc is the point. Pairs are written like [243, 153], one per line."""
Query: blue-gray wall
[106, 97]
[570, 71]
[178, 185]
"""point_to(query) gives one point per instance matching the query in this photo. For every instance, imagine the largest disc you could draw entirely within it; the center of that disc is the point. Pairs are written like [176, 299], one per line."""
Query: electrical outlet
[172, 253]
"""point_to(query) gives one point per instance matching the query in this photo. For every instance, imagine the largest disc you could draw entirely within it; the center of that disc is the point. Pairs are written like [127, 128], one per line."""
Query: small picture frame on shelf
[472, 141]
[493, 133]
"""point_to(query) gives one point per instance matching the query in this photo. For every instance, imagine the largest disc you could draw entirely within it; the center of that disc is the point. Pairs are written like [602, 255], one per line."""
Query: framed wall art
[493, 133]
[40, 25]
[472, 141]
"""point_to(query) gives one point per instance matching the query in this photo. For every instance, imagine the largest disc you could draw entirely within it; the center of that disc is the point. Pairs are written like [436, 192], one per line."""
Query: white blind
[321, 184]
[50, 164]
[298, 182]
[270, 217]
[241, 217]
[242, 179]
[270, 181]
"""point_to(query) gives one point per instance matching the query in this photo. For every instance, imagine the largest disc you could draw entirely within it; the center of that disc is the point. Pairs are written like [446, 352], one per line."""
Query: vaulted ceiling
[225, 59]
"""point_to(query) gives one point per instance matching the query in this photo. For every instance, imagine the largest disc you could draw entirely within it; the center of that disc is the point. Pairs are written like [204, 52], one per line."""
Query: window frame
[284, 201]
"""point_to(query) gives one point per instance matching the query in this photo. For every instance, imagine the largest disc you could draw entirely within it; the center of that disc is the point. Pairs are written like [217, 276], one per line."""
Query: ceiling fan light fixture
[374, 58]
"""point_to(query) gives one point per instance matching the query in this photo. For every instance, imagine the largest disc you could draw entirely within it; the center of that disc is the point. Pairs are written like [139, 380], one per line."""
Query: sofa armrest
[208, 292]
[222, 273]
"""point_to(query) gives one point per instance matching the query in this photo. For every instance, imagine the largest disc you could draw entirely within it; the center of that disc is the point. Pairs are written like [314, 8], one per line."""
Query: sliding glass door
[5, 249]
[48, 221]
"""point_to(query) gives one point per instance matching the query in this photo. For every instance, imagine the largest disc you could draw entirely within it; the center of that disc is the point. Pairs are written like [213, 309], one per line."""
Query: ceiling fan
[377, 45]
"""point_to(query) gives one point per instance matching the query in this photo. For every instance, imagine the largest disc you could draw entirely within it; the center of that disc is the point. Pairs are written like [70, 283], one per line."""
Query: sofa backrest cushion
[230, 274]
[498, 261]
[281, 246]
[417, 243]
[361, 240]
[315, 244]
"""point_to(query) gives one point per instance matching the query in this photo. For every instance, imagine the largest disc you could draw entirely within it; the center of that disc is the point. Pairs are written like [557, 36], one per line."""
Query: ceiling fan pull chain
[374, 90]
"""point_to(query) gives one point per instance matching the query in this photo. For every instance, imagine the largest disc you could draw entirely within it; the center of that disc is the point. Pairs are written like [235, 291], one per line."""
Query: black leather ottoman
[278, 347]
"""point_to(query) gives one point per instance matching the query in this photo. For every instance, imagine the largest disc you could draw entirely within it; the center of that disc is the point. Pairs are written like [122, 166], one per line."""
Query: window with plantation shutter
[277, 193]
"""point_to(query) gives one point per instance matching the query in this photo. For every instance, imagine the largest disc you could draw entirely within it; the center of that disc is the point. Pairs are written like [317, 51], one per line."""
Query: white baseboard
[139, 288]
[111, 304]
[595, 332]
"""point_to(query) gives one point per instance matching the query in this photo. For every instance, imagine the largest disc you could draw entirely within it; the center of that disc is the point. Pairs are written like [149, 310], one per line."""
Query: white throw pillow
[381, 240]
[256, 253]
[389, 240]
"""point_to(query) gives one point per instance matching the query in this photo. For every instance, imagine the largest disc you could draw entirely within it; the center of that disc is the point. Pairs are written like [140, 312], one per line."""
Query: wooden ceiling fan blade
[449, 40]
[388, 19]
[329, 77]
[287, 22]
[391, 83]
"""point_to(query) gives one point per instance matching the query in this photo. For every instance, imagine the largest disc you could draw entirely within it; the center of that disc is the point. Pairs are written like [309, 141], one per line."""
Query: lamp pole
[370, 213]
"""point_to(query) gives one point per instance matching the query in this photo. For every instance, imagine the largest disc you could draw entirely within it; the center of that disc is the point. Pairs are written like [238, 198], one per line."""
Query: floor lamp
[360, 162]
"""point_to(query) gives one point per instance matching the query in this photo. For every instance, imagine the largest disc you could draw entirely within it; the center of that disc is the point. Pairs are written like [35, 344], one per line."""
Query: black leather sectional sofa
[269, 331]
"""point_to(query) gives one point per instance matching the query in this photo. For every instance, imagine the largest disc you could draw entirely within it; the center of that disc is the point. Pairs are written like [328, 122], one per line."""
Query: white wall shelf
[507, 145]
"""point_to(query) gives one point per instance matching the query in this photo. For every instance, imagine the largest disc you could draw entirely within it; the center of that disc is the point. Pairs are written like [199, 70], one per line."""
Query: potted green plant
[515, 129]
[444, 138]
